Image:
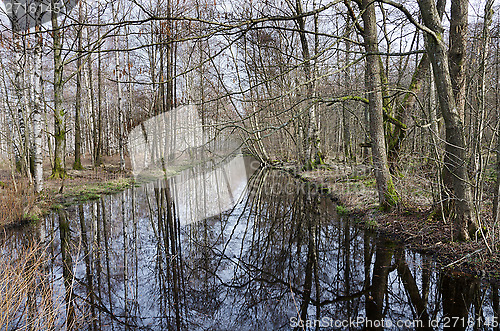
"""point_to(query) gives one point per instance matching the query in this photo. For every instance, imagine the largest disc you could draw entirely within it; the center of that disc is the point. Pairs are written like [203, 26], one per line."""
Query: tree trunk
[496, 209]
[348, 155]
[457, 52]
[98, 148]
[121, 120]
[170, 61]
[386, 193]
[22, 143]
[77, 165]
[455, 153]
[477, 158]
[312, 151]
[119, 104]
[398, 135]
[37, 113]
[58, 169]
[456, 58]
[402, 112]
[91, 109]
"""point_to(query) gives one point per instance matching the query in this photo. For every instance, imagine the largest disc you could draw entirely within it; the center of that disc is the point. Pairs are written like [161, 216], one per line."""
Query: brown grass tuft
[27, 300]
[16, 206]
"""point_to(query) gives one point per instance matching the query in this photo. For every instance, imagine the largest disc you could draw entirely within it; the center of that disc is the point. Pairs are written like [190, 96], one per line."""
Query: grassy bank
[19, 205]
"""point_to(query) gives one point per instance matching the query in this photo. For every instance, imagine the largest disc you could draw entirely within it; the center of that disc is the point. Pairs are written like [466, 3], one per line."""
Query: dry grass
[27, 300]
[352, 186]
[16, 205]
[30, 299]
[415, 188]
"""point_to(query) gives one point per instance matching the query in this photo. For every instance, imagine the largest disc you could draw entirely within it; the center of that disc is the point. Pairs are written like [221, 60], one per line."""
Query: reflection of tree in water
[169, 255]
[268, 264]
[127, 262]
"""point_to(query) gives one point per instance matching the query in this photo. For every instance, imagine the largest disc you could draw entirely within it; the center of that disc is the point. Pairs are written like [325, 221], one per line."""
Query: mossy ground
[91, 191]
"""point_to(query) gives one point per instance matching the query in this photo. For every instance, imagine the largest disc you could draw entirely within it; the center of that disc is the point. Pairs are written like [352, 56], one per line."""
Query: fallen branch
[463, 258]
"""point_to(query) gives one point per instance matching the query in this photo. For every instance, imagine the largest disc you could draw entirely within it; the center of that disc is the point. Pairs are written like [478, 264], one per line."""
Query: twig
[463, 258]
[295, 303]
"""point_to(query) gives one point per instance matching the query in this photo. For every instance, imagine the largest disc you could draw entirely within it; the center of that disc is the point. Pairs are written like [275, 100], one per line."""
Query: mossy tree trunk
[455, 165]
[386, 193]
[398, 135]
[58, 167]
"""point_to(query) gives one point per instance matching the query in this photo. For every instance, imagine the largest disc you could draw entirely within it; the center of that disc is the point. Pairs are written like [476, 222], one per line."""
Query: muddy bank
[413, 223]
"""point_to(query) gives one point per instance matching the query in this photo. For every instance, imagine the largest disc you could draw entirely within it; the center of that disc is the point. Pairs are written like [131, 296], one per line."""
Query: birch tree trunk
[462, 216]
[119, 105]
[22, 143]
[386, 193]
[37, 113]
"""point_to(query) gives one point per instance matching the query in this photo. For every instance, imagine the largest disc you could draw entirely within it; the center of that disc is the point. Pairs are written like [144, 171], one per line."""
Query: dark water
[163, 257]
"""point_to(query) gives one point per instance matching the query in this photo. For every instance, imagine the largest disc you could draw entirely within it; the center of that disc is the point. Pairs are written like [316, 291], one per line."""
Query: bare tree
[77, 165]
[387, 195]
[465, 222]
[58, 167]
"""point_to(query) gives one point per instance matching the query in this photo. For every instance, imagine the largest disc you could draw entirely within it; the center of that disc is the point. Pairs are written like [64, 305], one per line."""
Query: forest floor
[413, 223]
[19, 205]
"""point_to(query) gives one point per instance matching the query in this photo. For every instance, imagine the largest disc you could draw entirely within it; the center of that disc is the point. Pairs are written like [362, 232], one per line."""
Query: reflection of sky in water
[244, 270]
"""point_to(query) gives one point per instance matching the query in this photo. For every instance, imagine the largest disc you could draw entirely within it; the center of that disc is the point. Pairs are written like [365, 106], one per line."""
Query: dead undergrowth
[29, 300]
[17, 203]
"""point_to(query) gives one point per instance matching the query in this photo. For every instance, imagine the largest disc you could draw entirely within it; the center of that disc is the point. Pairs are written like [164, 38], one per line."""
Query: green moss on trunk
[58, 170]
[77, 165]
[391, 197]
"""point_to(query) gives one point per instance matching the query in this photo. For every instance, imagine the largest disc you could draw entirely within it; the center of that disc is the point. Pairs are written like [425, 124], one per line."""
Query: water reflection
[276, 256]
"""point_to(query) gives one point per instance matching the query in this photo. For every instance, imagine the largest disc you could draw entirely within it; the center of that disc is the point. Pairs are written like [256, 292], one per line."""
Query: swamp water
[232, 247]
